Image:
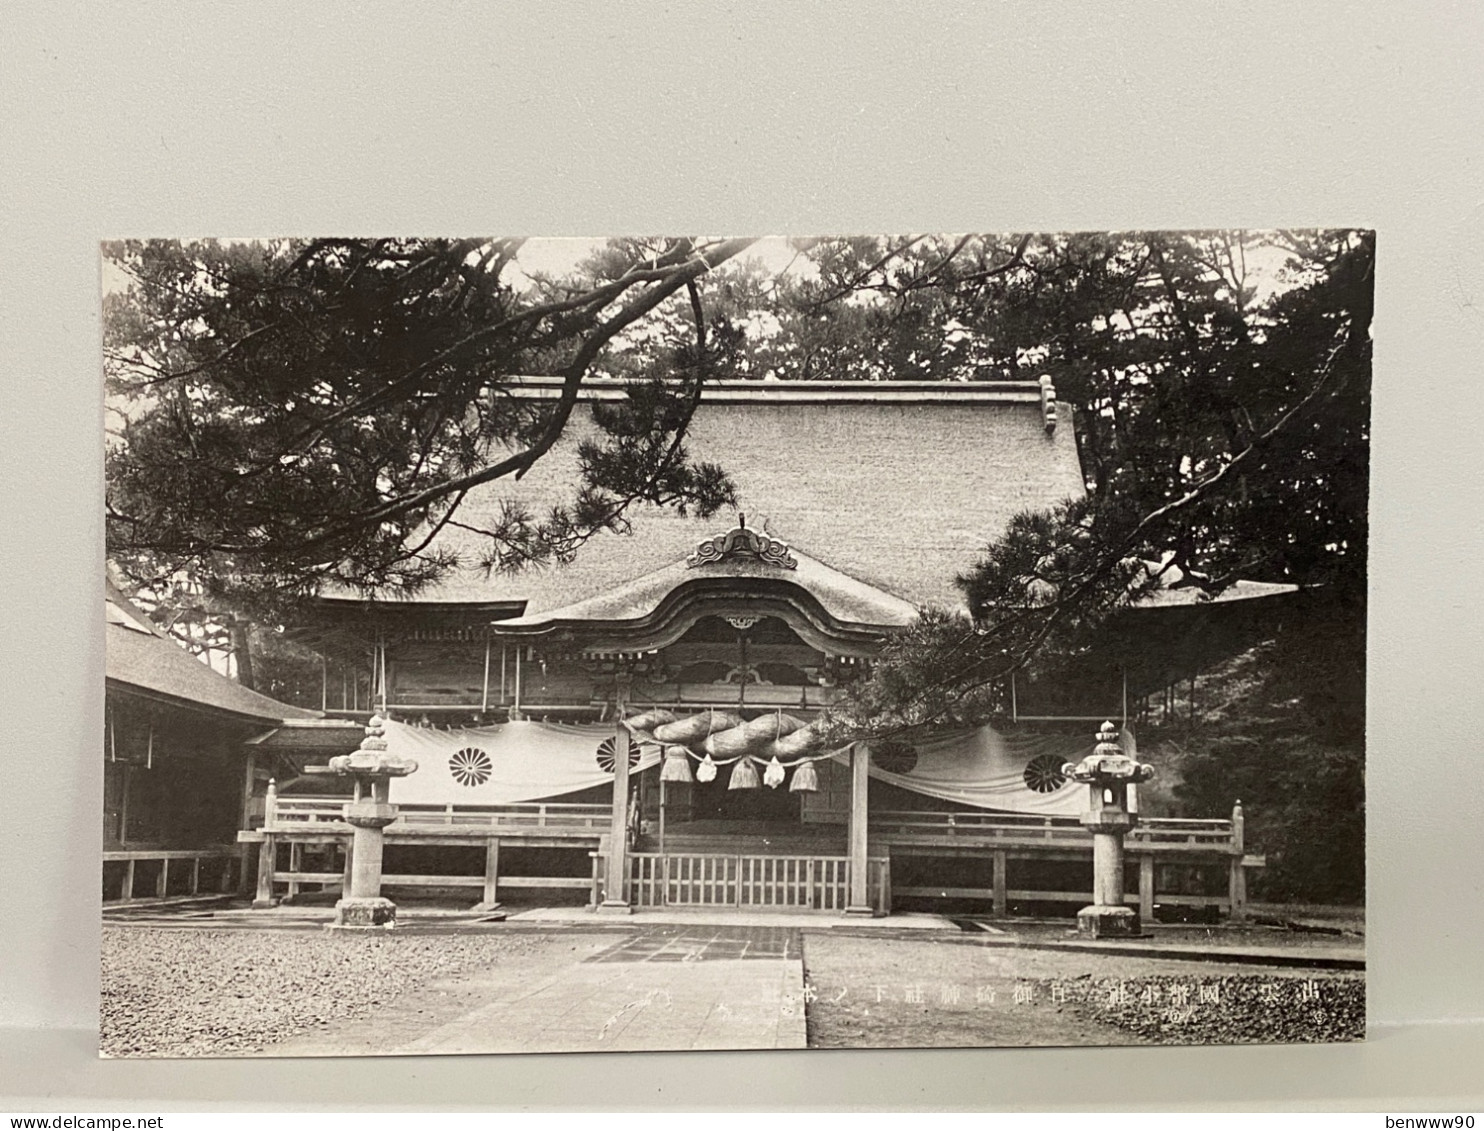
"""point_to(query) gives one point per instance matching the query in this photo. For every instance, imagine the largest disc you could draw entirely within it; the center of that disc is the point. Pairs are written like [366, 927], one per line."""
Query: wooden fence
[195, 871]
[813, 883]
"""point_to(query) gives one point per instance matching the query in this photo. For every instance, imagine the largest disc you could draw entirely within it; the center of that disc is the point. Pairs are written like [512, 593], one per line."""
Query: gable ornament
[742, 542]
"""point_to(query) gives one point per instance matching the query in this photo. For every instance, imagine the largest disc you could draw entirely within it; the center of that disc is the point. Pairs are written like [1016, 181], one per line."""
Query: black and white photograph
[554, 645]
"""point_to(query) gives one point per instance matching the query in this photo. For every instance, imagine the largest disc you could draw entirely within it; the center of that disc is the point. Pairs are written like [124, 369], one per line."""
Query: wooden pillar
[857, 900]
[1001, 883]
[1146, 887]
[195, 875]
[491, 898]
[266, 852]
[124, 804]
[162, 882]
[484, 702]
[662, 814]
[615, 885]
[126, 889]
[249, 785]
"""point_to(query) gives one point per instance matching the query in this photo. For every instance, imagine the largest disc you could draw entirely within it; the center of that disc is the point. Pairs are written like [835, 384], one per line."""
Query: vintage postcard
[551, 645]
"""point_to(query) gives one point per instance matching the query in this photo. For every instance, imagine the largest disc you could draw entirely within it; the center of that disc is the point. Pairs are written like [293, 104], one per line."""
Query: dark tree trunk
[242, 653]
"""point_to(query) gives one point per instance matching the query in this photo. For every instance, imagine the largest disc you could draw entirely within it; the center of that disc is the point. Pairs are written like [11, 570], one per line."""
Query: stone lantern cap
[372, 759]
[1108, 764]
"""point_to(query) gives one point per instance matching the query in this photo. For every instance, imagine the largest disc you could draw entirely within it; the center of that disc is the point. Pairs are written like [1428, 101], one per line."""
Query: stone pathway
[659, 988]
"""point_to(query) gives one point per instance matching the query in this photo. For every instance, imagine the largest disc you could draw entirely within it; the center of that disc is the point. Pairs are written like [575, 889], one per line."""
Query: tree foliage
[297, 413]
[1224, 432]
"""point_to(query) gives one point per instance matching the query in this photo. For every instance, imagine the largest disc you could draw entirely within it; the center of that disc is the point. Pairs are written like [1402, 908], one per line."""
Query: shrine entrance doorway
[716, 801]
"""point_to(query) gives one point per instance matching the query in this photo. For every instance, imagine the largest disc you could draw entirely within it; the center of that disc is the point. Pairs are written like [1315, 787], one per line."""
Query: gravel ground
[1267, 937]
[215, 993]
[1241, 1009]
[901, 993]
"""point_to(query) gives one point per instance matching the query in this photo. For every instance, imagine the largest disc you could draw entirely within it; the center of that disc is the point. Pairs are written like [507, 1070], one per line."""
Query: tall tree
[1224, 433]
[302, 412]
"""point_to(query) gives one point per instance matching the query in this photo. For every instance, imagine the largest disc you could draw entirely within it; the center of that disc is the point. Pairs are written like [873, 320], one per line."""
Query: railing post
[1237, 891]
[244, 871]
[491, 898]
[195, 875]
[296, 864]
[266, 863]
[1146, 887]
[126, 889]
[1236, 877]
[1001, 883]
[162, 884]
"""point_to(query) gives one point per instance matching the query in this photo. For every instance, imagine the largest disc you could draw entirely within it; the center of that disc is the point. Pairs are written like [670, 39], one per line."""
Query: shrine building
[634, 728]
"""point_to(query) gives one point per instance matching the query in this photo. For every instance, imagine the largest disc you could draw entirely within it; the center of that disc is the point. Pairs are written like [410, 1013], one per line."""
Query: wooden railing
[289, 814]
[814, 883]
[219, 865]
[1218, 834]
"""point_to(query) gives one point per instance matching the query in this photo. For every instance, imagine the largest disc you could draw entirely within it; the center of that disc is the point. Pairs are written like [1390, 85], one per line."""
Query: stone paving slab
[726, 916]
[686, 943]
[634, 1007]
[651, 989]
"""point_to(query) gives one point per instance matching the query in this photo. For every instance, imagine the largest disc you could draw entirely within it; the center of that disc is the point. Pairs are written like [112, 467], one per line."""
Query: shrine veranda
[518, 697]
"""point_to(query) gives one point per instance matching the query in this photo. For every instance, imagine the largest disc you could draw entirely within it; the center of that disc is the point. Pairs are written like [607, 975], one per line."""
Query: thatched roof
[142, 659]
[896, 486]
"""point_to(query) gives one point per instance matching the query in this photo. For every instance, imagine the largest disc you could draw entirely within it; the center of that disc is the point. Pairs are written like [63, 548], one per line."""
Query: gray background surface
[271, 119]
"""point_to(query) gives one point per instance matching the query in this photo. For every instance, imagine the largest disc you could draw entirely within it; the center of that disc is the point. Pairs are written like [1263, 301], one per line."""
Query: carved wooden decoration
[1048, 404]
[740, 542]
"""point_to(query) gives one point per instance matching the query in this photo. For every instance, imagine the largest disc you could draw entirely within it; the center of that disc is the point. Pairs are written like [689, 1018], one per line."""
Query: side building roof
[140, 658]
[898, 485]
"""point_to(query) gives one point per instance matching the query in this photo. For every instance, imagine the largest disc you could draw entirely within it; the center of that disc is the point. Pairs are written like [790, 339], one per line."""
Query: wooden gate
[810, 883]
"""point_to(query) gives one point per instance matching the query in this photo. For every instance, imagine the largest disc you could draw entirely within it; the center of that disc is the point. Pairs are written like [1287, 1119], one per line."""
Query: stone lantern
[1108, 772]
[369, 812]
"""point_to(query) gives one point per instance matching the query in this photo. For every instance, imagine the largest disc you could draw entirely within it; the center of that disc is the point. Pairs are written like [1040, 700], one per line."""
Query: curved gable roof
[840, 595]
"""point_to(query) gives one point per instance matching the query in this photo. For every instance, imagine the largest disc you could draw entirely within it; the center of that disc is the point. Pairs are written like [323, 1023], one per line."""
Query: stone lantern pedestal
[362, 906]
[1108, 772]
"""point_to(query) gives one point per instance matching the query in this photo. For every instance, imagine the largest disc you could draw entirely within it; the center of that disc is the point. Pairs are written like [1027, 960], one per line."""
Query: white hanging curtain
[1014, 773]
[505, 764]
